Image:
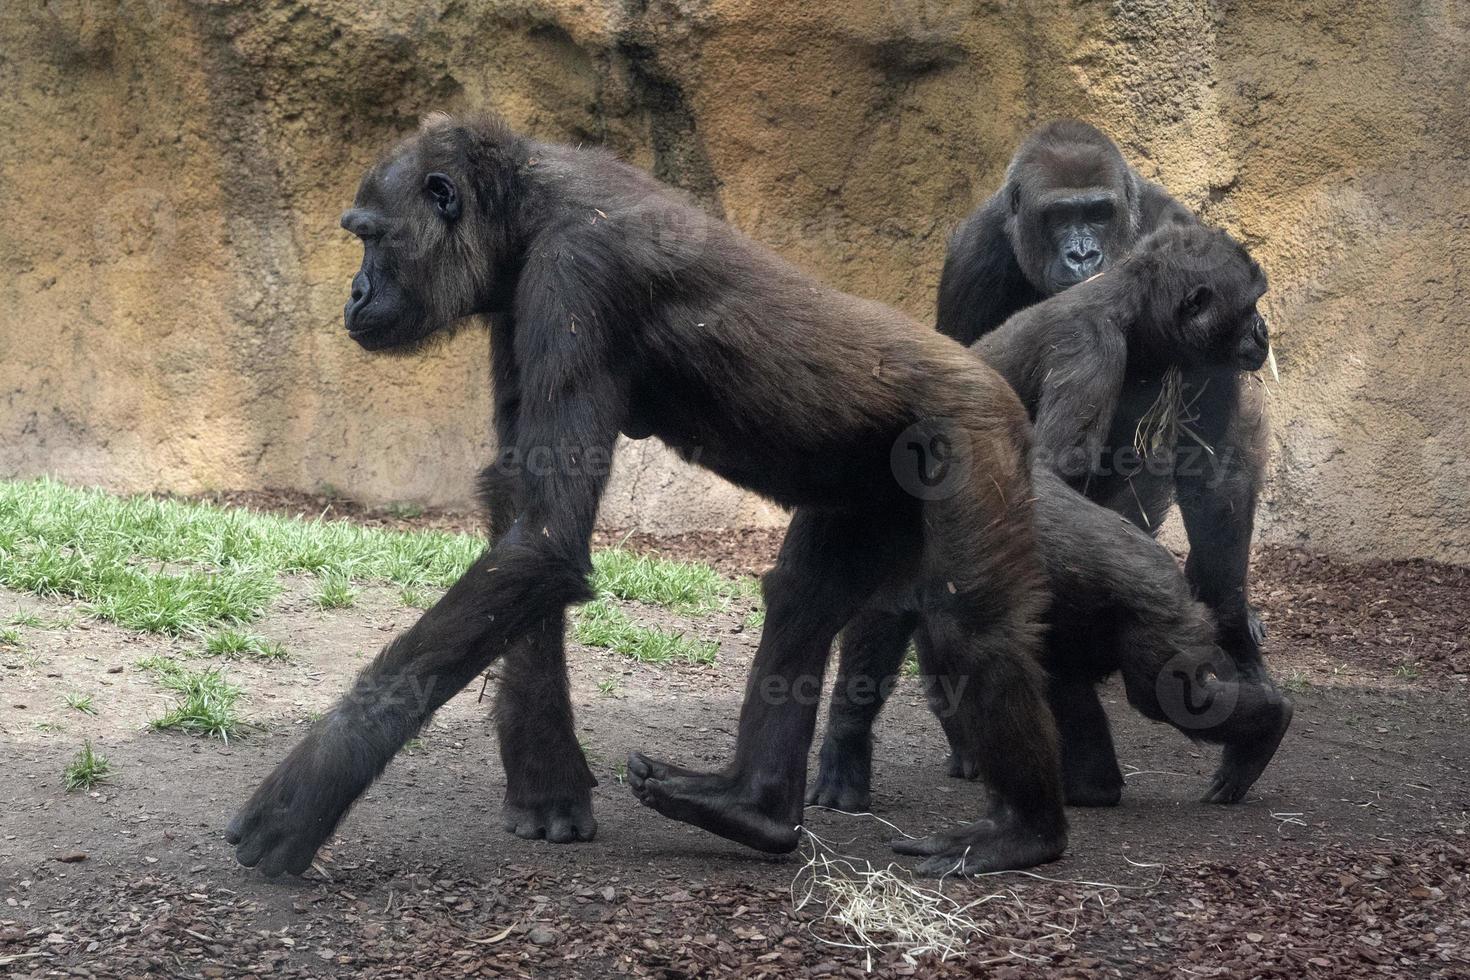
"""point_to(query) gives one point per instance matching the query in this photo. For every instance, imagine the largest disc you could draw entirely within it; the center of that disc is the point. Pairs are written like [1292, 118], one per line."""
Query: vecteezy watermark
[1190, 694]
[932, 458]
[945, 692]
[563, 459]
[1188, 459]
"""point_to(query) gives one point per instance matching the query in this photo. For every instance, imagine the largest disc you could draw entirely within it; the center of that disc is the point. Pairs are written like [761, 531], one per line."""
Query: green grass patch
[910, 666]
[601, 623]
[236, 644]
[80, 702]
[686, 587]
[9, 637]
[29, 620]
[86, 769]
[206, 705]
[335, 591]
[607, 687]
[169, 603]
[171, 566]
[49, 727]
[162, 668]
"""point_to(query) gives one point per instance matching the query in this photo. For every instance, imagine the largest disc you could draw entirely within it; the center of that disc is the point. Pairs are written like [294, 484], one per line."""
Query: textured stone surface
[172, 172]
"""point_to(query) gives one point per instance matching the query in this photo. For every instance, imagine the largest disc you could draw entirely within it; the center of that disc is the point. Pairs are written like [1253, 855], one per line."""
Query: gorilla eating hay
[615, 307]
[1070, 208]
[1186, 299]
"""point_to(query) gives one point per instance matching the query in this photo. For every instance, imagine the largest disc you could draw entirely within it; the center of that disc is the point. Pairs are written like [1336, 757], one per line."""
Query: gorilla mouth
[1252, 361]
[376, 337]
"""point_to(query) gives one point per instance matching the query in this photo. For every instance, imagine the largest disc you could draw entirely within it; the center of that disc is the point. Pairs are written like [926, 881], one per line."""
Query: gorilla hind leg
[873, 645]
[981, 602]
[992, 707]
[831, 564]
[1090, 773]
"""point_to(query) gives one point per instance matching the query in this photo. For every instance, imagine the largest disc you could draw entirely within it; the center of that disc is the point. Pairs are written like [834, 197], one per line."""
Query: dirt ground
[1349, 858]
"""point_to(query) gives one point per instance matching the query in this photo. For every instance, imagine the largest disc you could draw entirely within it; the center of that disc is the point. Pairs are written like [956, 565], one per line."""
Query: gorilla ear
[1015, 198]
[1198, 298]
[444, 194]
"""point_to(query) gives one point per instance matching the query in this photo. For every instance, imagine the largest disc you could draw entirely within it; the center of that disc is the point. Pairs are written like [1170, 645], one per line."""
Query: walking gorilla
[617, 308]
[1186, 297]
[1070, 208]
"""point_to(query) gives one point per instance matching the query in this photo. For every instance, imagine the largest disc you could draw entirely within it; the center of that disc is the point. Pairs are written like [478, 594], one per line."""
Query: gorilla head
[1202, 288]
[1073, 203]
[433, 239]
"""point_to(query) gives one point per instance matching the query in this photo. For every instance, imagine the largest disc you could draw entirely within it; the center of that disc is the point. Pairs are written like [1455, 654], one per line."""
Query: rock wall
[173, 170]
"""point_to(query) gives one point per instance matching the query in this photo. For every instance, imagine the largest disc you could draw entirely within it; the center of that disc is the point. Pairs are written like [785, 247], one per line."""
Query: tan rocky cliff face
[172, 171]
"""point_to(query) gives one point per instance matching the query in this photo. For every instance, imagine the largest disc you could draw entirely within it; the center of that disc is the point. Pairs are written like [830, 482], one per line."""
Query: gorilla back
[617, 308]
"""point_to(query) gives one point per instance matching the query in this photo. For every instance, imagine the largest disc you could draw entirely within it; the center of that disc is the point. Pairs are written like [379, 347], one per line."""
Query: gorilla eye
[444, 194]
[1099, 212]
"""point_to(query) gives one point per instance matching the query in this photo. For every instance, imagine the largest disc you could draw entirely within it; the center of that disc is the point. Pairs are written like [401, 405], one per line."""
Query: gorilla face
[1071, 237]
[1212, 321]
[422, 265]
[1073, 206]
[381, 311]
[1232, 334]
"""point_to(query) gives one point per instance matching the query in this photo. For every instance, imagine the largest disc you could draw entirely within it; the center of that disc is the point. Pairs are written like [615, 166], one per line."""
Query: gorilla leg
[547, 781]
[1217, 499]
[873, 646]
[981, 602]
[506, 595]
[1193, 687]
[830, 565]
[1090, 773]
[548, 784]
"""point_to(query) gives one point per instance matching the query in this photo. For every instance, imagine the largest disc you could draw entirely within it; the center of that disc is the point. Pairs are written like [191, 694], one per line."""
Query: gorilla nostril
[361, 287]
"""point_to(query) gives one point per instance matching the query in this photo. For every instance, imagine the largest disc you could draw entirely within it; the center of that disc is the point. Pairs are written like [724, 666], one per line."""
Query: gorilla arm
[982, 283]
[1080, 376]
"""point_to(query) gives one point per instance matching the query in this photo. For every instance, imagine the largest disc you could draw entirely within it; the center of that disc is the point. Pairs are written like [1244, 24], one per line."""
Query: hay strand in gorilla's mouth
[878, 910]
[1169, 417]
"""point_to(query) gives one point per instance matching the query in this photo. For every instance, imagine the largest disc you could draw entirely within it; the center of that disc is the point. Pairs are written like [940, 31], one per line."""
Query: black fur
[1012, 251]
[615, 307]
[1185, 297]
[1009, 254]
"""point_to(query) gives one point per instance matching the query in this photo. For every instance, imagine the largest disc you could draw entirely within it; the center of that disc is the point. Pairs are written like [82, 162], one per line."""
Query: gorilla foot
[560, 821]
[719, 804]
[1254, 624]
[290, 815]
[999, 842]
[963, 765]
[1092, 788]
[1245, 760]
[844, 776]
